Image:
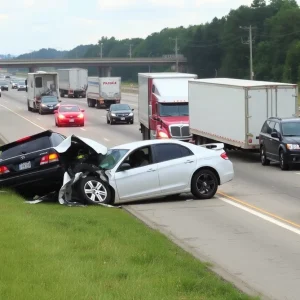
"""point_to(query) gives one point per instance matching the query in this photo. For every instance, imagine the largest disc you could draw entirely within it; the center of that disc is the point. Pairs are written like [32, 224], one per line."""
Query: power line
[250, 43]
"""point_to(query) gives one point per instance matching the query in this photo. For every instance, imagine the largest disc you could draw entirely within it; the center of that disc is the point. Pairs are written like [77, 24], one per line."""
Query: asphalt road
[250, 231]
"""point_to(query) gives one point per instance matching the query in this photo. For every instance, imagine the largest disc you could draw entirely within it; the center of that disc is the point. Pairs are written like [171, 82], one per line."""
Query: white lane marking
[5, 101]
[105, 139]
[23, 117]
[83, 129]
[103, 116]
[20, 107]
[38, 118]
[298, 173]
[262, 216]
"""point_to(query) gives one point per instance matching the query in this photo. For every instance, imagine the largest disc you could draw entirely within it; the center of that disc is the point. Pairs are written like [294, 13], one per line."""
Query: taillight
[49, 158]
[23, 139]
[80, 116]
[224, 155]
[61, 116]
[3, 170]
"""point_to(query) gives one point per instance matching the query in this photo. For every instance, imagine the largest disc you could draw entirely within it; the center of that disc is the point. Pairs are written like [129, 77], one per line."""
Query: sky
[29, 25]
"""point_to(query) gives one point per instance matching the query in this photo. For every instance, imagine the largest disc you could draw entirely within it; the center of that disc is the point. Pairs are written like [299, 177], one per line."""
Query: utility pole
[101, 48]
[130, 51]
[176, 52]
[249, 42]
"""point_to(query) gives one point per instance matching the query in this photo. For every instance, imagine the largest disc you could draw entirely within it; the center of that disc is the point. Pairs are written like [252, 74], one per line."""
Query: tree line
[219, 48]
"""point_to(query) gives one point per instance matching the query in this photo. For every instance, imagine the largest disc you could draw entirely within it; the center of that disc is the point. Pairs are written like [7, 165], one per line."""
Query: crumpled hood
[175, 120]
[67, 144]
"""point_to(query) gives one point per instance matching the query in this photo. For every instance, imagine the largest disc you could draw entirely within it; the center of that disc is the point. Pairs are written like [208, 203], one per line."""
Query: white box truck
[232, 111]
[103, 91]
[40, 84]
[73, 82]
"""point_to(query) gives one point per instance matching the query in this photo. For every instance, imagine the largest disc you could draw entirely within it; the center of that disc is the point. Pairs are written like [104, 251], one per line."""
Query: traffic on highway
[174, 142]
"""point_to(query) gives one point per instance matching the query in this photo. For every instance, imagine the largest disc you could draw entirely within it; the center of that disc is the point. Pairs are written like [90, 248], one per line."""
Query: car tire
[112, 122]
[131, 122]
[283, 161]
[263, 157]
[107, 121]
[99, 194]
[209, 184]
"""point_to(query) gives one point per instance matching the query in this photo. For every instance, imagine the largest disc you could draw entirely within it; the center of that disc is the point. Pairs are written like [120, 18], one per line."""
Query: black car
[48, 104]
[4, 85]
[280, 142]
[31, 163]
[120, 113]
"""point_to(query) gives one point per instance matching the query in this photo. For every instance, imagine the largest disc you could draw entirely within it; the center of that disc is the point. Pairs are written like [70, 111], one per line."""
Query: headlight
[131, 114]
[113, 115]
[43, 105]
[162, 135]
[292, 146]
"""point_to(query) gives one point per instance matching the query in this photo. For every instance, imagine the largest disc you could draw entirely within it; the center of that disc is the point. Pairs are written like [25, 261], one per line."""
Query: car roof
[138, 144]
[284, 119]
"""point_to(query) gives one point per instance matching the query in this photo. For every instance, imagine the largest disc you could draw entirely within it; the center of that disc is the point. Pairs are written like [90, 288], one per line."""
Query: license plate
[122, 119]
[25, 166]
[71, 120]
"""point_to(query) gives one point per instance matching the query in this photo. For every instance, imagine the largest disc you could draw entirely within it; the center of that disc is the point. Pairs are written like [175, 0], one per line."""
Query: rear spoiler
[214, 146]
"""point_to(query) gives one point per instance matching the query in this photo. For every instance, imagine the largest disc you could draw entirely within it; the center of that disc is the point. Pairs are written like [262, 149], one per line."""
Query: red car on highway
[69, 115]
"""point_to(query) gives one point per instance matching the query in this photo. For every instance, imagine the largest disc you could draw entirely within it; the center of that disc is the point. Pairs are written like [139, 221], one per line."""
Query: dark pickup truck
[31, 164]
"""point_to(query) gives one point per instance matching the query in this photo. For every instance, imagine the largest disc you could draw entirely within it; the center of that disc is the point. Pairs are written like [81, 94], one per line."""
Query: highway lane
[253, 234]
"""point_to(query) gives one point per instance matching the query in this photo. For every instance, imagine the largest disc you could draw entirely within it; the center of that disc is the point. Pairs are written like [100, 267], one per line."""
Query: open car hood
[65, 145]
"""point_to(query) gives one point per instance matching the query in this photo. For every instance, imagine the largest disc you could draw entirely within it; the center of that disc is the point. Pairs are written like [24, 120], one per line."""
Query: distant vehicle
[120, 113]
[149, 169]
[4, 85]
[163, 105]
[0, 93]
[212, 101]
[103, 91]
[40, 84]
[7, 77]
[21, 86]
[279, 141]
[31, 163]
[48, 104]
[73, 82]
[69, 115]
[14, 84]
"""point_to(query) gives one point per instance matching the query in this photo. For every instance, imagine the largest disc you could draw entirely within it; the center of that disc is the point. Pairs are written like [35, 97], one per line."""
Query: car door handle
[151, 170]
[188, 161]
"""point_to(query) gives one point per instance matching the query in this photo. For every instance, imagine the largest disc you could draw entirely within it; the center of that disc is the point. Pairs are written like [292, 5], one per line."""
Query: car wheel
[94, 191]
[204, 184]
[263, 156]
[283, 161]
[111, 122]
[107, 121]
[131, 122]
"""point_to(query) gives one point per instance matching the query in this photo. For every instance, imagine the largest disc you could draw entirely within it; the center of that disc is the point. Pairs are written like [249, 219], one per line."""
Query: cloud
[172, 3]
[115, 4]
[3, 17]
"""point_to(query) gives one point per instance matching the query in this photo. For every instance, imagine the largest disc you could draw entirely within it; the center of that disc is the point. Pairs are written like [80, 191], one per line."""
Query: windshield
[112, 157]
[21, 82]
[120, 107]
[3, 83]
[291, 129]
[69, 109]
[173, 109]
[49, 99]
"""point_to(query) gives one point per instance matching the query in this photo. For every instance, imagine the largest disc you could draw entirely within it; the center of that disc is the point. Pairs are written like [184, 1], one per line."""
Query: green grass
[49, 251]
[129, 84]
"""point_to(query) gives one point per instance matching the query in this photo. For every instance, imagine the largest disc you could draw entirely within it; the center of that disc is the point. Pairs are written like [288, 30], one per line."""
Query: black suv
[31, 163]
[280, 142]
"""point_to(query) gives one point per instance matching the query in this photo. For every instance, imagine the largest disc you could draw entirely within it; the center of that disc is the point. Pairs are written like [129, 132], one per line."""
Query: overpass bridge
[104, 64]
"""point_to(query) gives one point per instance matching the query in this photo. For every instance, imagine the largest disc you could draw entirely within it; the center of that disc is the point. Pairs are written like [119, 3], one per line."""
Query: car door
[274, 143]
[176, 165]
[138, 182]
[268, 139]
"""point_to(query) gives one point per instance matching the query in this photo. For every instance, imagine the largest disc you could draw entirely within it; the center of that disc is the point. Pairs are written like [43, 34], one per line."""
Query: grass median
[49, 251]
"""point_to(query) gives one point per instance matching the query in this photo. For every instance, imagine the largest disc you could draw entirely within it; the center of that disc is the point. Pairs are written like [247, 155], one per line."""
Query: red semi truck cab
[163, 105]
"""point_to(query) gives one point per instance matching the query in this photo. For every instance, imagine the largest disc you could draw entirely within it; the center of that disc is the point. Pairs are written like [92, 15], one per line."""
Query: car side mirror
[275, 135]
[82, 110]
[133, 109]
[124, 167]
[56, 111]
